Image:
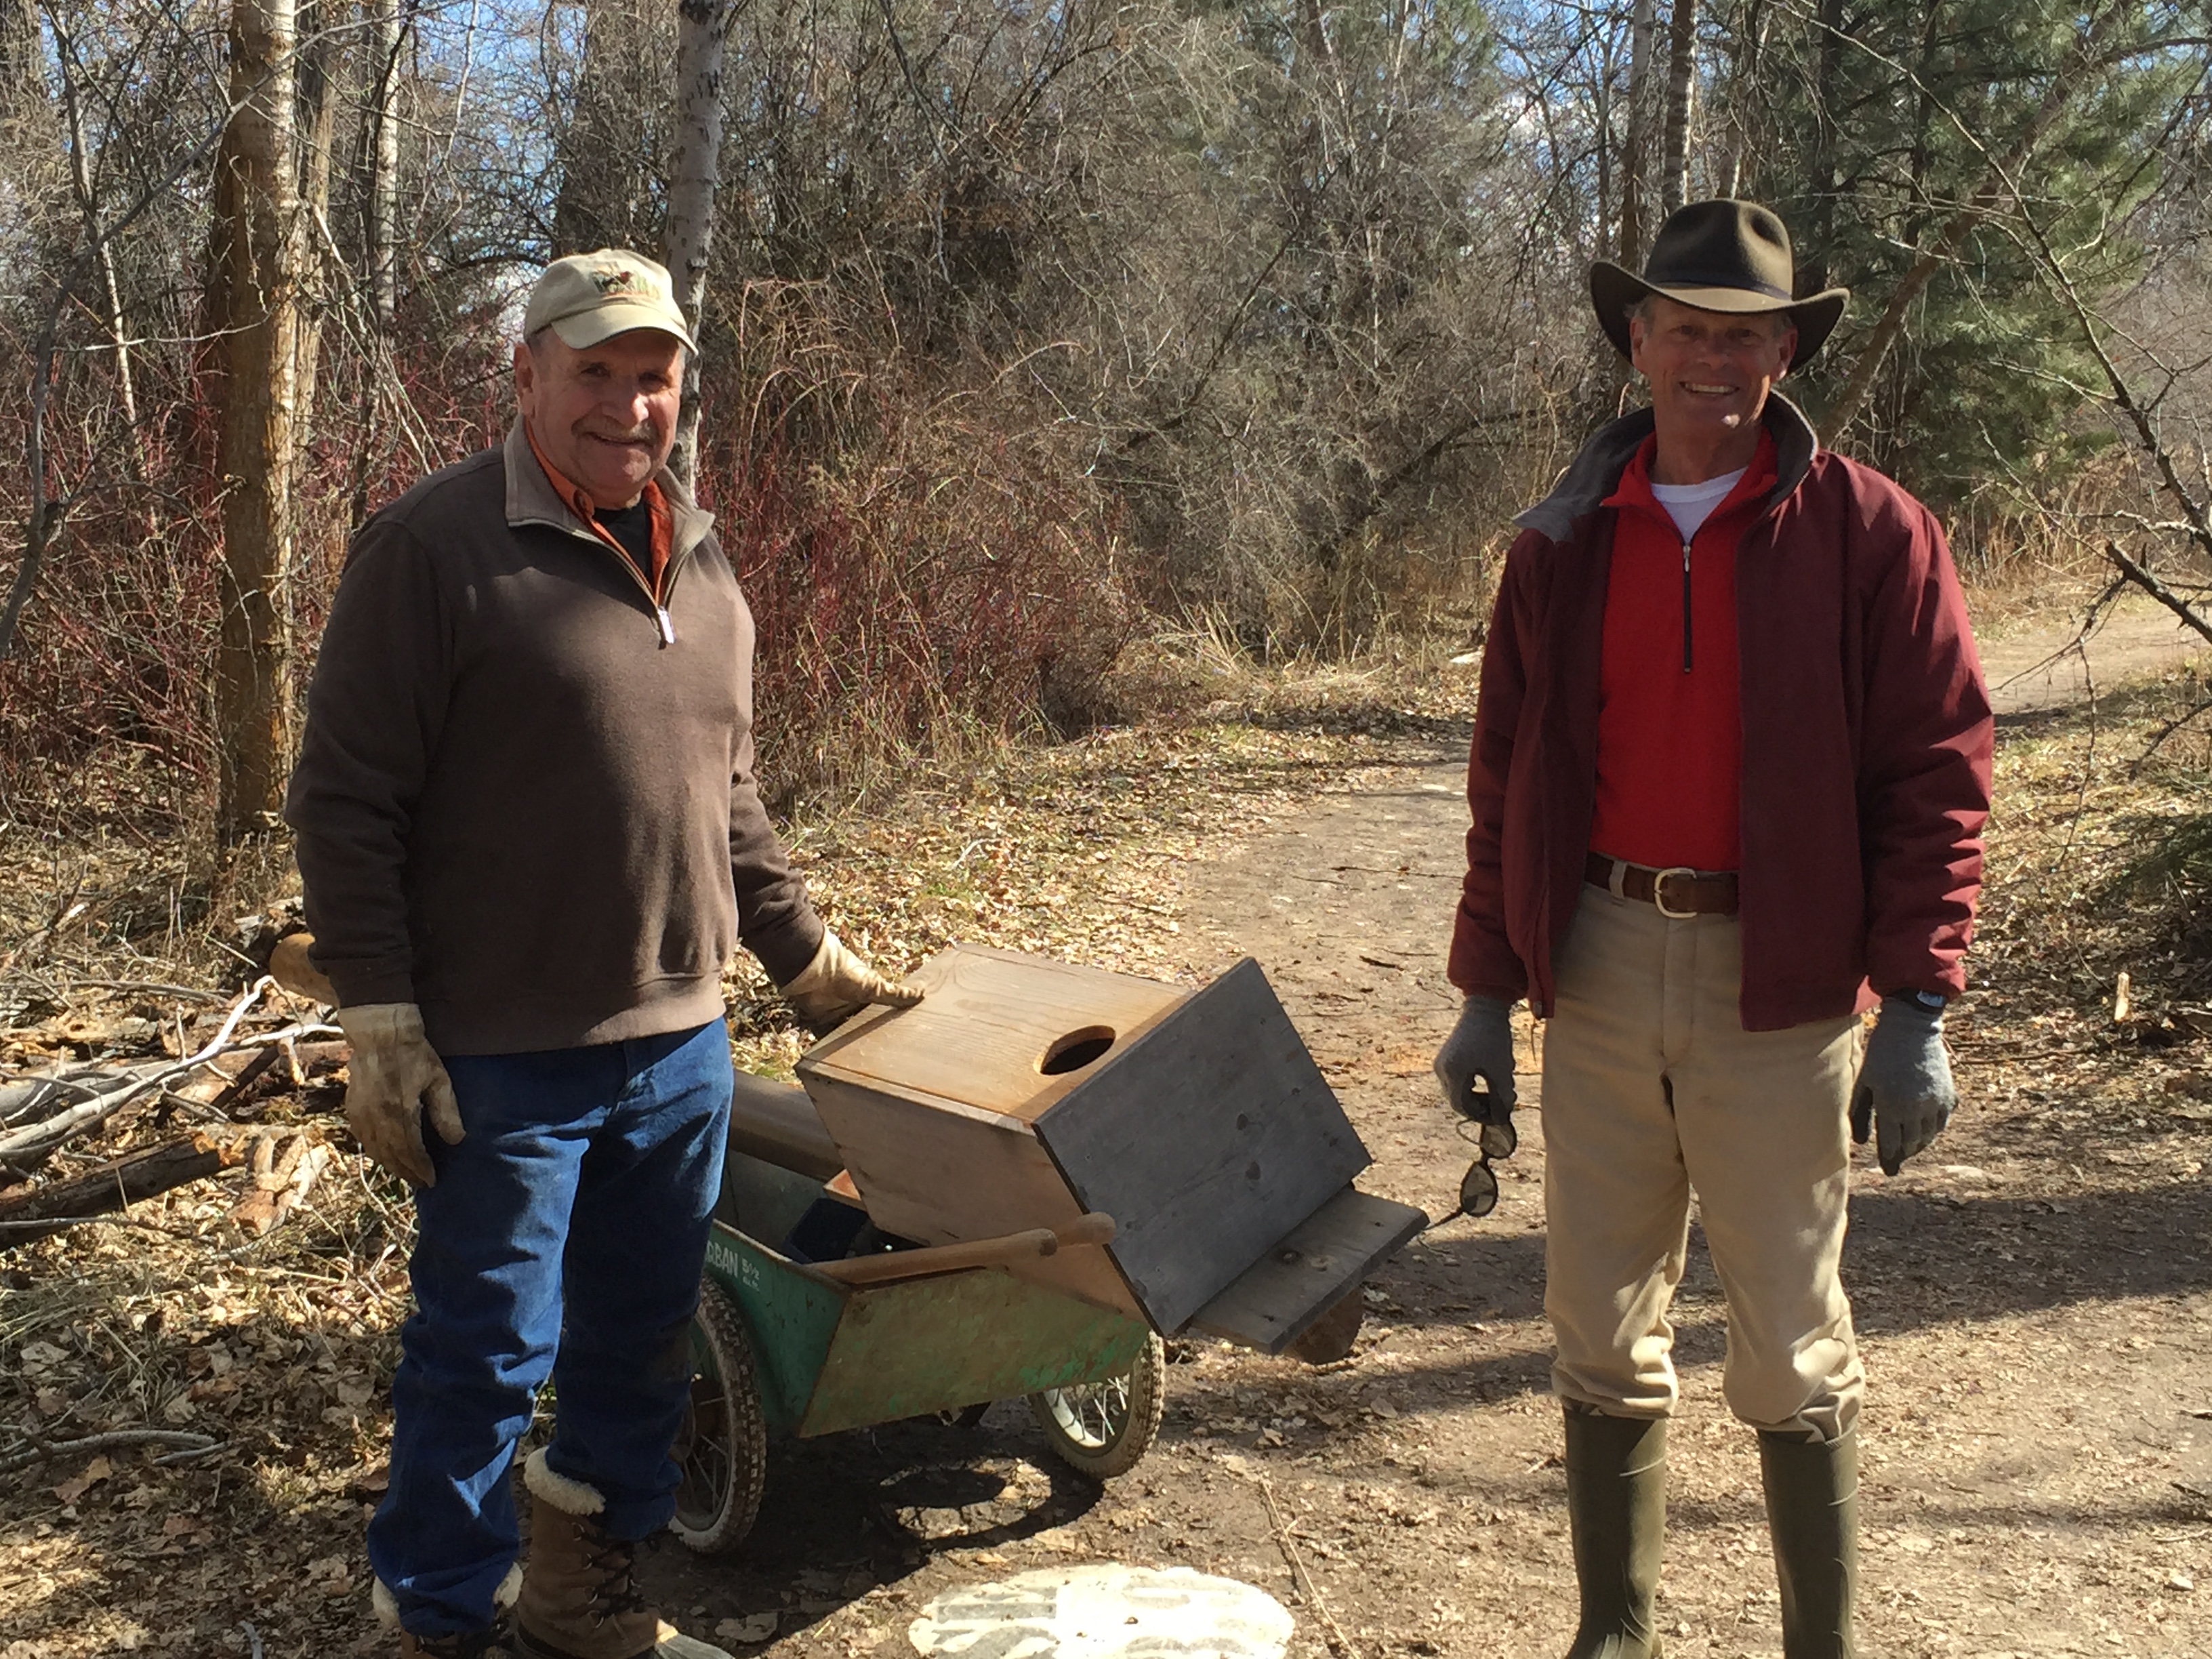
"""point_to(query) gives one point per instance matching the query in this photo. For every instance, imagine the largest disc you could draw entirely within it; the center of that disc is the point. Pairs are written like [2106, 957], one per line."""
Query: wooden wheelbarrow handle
[1095, 1228]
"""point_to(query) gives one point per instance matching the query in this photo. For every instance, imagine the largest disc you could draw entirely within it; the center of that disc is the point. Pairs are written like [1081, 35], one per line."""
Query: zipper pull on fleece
[1685, 607]
[667, 628]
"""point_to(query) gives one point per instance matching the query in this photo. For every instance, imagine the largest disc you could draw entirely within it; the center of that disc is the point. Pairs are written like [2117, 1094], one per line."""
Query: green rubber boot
[1812, 1516]
[1617, 1510]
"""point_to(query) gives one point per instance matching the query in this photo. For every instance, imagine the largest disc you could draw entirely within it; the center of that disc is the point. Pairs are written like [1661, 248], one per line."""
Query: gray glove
[394, 1072]
[1480, 1047]
[1905, 1093]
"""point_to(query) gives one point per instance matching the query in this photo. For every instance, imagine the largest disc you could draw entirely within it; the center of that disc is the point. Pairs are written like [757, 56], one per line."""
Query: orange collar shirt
[1670, 721]
[578, 500]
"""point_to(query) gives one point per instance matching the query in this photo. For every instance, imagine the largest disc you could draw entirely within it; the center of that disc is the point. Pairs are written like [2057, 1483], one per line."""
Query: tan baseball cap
[587, 297]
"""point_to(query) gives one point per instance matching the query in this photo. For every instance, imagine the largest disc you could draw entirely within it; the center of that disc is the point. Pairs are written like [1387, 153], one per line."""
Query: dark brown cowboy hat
[1719, 256]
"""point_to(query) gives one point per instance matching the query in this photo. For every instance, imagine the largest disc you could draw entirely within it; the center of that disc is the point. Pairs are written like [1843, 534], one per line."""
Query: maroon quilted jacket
[1867, 736]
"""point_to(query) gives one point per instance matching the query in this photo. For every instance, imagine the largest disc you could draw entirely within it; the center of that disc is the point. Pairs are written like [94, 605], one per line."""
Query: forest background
[1037, 337]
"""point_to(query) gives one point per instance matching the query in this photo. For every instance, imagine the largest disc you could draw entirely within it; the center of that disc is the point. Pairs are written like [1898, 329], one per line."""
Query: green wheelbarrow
[1085, 1161]
[806, 1348]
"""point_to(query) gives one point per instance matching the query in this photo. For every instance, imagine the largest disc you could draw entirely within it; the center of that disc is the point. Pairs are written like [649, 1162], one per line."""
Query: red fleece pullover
[1669, 723]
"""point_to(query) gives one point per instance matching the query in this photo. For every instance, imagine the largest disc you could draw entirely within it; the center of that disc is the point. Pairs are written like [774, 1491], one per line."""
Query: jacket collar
[1594, 473]
[532, 499]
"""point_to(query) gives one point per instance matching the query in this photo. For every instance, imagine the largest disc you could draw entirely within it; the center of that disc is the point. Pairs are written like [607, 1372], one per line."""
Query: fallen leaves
[93, 1473]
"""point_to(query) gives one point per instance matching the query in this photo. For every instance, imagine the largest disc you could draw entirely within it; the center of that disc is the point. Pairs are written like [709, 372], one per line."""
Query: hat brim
[603, 322]
[1614, 291]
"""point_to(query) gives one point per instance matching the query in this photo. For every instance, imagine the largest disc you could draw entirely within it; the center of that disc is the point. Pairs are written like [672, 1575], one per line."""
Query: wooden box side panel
[988, 1019]
[1209, 1140]
[938, 1175]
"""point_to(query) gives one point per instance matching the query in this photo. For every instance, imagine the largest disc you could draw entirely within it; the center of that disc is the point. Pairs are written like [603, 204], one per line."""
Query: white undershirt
[1691, 505]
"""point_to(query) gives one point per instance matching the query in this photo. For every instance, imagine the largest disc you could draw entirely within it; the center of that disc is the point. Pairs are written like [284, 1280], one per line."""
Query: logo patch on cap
[615, 282]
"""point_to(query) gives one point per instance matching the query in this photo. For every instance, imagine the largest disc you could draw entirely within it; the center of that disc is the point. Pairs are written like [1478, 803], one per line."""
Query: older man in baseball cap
[1731, 767]
[530, 835]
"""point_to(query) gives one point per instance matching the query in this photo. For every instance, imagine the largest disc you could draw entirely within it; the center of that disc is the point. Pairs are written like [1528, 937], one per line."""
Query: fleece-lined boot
[1617, 1511]
[1812, 1516]
[464, 1644]
[581, 1598]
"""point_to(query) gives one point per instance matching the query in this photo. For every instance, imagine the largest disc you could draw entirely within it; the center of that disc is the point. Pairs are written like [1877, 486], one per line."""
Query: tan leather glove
[836, 985]
[394, 1073]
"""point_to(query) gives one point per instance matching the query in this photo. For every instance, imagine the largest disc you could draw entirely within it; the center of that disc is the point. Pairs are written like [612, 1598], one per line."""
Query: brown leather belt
[1678, 891]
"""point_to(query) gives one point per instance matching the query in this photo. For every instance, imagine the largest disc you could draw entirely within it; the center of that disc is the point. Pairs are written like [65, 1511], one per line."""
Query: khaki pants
[1652, 1088]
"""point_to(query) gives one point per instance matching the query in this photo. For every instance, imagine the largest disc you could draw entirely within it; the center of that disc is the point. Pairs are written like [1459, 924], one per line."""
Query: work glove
[1905, 1094]
[394, 1073]
[1480, 1047]
[836, 985]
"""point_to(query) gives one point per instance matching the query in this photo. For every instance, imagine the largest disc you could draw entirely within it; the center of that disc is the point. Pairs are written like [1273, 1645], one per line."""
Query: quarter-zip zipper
[656, 602]
[1685, 607]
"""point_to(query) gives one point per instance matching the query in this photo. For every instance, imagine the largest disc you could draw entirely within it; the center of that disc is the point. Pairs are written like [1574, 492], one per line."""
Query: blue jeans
[565, 1237]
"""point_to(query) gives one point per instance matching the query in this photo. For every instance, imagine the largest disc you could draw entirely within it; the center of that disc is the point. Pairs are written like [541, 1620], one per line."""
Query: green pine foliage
[1889, 114]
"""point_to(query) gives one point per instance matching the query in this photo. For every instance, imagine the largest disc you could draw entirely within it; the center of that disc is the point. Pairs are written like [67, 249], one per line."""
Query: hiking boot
[581, 1598]
[1812, 1516]
[1617, 1513]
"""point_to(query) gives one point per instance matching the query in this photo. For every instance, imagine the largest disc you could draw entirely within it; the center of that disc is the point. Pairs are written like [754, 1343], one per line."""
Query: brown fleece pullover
[524, 798]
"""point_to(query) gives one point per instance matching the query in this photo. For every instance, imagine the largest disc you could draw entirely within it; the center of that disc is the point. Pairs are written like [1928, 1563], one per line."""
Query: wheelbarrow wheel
[722, 1447]
[1101, 1429]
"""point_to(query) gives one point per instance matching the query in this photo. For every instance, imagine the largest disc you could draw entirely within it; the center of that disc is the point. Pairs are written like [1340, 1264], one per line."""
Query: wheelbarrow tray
[833, 1355]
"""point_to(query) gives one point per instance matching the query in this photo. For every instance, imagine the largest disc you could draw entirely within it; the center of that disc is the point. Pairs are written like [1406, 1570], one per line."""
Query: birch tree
[1636, 147]
[703, 29]
[381, 198]
[1681, 85]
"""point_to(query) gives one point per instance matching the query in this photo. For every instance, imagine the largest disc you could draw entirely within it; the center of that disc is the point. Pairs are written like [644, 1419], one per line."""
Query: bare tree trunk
[701, 29]
[1996, 184]
[1681, 79]
[1636, 147]
[385, 38]
[1827, 138]
[321, 64]
[259, 292]
[22, 87]
[111, 289]
[44, 513]
[1603, 96]
[1743, 77]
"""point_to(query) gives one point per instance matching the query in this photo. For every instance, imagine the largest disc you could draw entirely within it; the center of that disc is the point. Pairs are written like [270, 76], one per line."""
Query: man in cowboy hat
[529, 837]
[1731, 767]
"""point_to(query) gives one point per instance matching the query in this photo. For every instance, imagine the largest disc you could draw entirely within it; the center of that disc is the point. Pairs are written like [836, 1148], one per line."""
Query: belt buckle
[1659, 890]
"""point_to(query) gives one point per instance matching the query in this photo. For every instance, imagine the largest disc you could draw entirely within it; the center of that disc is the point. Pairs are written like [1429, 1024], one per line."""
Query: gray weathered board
[1208, 1141]
[1323, 1259]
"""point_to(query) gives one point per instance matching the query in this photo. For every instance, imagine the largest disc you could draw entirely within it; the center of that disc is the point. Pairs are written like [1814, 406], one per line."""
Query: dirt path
[2035, 670]
[2030, 1346]
[2030, 1328]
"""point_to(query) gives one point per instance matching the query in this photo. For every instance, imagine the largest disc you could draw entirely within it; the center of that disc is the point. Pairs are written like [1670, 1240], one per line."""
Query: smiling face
[605, 417]
[1710, 373]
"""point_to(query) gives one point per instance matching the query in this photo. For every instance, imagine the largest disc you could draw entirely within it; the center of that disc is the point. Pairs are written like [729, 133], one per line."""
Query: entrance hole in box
[1076, 1050]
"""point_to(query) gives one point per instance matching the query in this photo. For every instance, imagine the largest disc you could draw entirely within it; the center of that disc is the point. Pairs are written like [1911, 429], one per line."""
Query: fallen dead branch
[1310, 1591]
[26, 1148]
[281, 1183]
[181, 1439]
[114, 1186]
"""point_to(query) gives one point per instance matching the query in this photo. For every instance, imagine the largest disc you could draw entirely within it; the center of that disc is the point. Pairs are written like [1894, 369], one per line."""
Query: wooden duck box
[1022, 1092]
